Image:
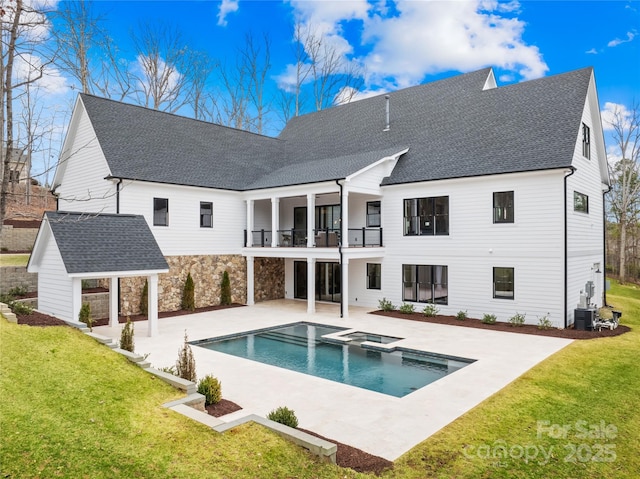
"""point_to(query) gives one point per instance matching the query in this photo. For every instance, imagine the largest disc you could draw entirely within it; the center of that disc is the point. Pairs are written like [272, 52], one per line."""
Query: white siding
[533, 245]
[54, 285]
[82, 184]
[359, 295]
[184, 236]
[585, 244]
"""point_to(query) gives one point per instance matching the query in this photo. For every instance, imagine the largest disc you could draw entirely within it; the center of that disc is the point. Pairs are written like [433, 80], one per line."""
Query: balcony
[323, 238]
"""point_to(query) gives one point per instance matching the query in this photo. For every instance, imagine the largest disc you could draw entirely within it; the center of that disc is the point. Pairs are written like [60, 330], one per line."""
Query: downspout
[57, 195]
[566, 261]
[340, 249]
[604, 245]
[118, 196]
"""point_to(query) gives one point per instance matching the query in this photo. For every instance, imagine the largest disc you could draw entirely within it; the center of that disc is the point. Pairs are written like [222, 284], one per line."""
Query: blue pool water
[300, 347]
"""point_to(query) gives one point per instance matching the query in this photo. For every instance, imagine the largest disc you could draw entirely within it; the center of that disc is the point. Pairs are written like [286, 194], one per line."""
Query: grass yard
[73, 408]
[14, 259]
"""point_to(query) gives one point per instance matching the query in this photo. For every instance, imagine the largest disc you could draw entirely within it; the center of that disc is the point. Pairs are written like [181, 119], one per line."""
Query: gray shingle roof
[452, 127]
[100, 243]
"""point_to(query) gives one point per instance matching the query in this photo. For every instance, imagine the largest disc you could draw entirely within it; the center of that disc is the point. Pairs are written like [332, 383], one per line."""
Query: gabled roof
[456, 127]
[103, 243]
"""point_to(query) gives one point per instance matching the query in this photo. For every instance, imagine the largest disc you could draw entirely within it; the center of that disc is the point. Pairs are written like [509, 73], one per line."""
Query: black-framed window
[425, 283]
[374, 276]
[373, 214]
[586, 141]
[14, 176]
[160, 212]
[328, 217]
[503, 283]
[206, 214]
[580, 202]
[503, 207]
[426, 216]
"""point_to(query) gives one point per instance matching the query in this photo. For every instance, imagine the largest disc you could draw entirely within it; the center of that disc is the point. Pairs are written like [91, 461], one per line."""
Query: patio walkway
[377, 423]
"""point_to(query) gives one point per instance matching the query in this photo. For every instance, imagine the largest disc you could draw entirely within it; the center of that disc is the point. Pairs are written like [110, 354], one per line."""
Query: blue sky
[407, 42]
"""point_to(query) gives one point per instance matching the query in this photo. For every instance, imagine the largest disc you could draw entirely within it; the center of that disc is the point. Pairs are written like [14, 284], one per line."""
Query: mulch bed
[568, 333]
[222, 408]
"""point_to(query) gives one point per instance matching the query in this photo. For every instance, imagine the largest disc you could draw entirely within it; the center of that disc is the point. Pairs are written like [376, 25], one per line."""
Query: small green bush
[225, 289]
[430, 310]
[126, 337]
[517, 319]
[386, 305]
[6, 298]
[188, 296]
[169, 369]
[18, 291]
[285, 416]
[84, 316]
[544, 322]
[407, 308]
[186, 363]
[144, 299]
[462, 315]
[489, 319]
[211, 389]
[18, 307]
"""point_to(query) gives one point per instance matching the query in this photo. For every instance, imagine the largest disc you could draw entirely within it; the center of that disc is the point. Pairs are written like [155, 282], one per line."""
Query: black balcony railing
[323, 238]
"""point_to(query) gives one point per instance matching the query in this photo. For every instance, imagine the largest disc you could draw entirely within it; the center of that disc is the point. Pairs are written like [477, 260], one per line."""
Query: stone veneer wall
[268, 279]
[17, 276]
[206, 271]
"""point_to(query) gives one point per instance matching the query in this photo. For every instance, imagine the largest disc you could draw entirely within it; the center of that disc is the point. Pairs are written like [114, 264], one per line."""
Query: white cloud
[614, 113]
[593, 51]
[28, 67]
[226, 7]
[618, 41]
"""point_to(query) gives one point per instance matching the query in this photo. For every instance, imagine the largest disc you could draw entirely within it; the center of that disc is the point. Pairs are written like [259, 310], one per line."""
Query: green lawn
[14, 259]
[73, 408]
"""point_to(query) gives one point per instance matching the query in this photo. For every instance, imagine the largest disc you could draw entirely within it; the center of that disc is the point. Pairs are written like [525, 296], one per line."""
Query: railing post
[364, 243]
[381, 236]
[262, 237]
[245, 238]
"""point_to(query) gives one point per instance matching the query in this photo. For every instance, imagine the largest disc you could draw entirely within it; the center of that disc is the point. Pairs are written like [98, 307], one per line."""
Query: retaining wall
[13, 276]
[17, 239]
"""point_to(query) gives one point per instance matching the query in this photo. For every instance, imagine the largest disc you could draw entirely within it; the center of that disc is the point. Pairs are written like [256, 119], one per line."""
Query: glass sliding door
[328, 282]
[300, 279]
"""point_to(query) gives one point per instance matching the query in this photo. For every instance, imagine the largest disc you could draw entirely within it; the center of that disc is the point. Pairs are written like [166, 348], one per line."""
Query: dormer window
[586, 141]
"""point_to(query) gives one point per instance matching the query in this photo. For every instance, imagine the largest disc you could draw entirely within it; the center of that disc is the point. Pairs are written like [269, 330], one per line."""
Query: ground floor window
[374, 276]
[503, 283]
[425, 283]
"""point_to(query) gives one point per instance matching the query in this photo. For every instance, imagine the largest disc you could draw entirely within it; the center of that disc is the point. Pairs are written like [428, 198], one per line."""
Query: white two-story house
[462, 193]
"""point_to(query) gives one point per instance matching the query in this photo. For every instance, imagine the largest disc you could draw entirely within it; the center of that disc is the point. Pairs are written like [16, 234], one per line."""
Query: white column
[76, 300]
[311, 285]
[345, 287]
[250, 279]
[311, 219]
[153, 305]
[275, 221]
[113, 302]
[250, 209]
[344, 229]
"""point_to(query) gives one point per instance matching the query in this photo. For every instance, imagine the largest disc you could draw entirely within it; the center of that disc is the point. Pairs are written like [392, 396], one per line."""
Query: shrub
[188, 297]
[169, 369]
[126, 337]
[144, 299]
[225, 289]
[430, 310]
[211, 388]
[407, 308]
[186, 363]
[18, 307]
[18, 291]
[517, 320]
[462, 315]
[84, 316]
[544, 322]
[386, 305]
[489, 319]
[6, 298]
[285, 416]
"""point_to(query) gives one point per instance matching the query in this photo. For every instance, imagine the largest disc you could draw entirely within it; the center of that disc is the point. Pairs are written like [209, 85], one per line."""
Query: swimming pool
[355, 358]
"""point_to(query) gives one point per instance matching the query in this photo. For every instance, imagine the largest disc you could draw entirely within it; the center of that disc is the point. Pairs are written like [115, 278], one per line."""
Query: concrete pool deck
[377, 423]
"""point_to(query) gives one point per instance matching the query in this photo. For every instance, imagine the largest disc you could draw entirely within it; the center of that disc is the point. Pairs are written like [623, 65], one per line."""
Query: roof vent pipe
[386, 128]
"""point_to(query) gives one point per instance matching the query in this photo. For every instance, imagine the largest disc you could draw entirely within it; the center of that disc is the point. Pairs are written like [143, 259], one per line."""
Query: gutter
[340, 251]
[566, 262]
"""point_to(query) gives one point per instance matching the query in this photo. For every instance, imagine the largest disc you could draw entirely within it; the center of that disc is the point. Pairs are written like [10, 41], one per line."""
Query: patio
[377, 423]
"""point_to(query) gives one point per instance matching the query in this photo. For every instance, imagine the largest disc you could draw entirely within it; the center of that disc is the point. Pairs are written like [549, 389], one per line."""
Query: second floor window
[206, 214]
[580, 202]
[373, 214]
[160, 212]
[503, 207]
[586, 141]
[426, 216]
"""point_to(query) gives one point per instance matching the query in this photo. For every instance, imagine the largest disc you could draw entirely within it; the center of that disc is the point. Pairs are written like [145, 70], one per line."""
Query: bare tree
[624, 198]
[165, 76]
[20, 34]
[256, 61]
